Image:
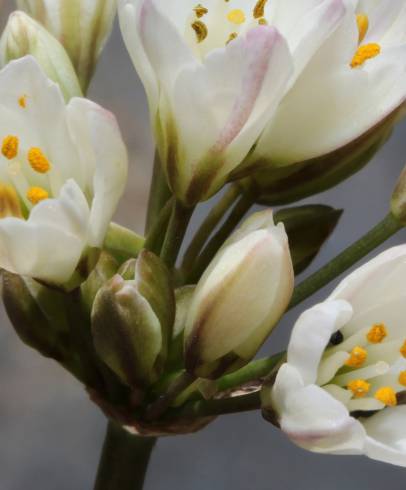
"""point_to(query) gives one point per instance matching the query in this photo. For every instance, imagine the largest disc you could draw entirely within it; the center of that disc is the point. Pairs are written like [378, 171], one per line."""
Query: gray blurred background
[50, 433]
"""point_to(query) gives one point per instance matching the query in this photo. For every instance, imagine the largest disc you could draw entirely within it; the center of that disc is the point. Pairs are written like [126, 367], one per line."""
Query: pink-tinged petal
[312, 333]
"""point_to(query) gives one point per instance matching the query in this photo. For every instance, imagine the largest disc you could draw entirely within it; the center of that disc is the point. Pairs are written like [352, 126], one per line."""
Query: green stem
[156, 234]
[240, 209]
[175, 232]
[124, 460]
[207, 408]
[375, 237]
[214, 217]
[159, 194]
[159, 407]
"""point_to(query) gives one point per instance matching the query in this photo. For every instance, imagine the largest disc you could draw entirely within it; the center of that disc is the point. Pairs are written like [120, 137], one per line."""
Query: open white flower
[81, 26]
[353, 85]
[342, 389]
[62, 172]
[214, 73]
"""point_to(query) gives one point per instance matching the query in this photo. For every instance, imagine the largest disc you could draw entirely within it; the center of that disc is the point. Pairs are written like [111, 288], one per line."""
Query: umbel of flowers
[251, 101]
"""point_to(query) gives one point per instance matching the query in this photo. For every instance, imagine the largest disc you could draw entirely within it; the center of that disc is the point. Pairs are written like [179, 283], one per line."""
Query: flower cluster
[254, 101]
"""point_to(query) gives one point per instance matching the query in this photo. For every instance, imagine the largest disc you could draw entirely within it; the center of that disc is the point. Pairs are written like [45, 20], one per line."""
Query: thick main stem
[375, 237]
[124, 460]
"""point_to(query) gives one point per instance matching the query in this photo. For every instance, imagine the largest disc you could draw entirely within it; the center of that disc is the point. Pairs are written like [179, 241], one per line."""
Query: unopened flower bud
[81, 26]
[132, 321]
[24, 36]
[37, 314]
[239, 298]
[398, 201]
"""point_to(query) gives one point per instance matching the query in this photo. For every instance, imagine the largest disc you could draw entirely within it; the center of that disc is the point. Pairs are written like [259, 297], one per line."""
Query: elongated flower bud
[239, 298]
[82, 27]
[24, 36]
[132, 321]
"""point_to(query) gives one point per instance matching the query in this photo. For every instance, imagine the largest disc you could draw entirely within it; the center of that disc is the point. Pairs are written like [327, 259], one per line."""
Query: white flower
[81, 26]
[239, 299]
[354, 84]
[62, 171]
[342, 388]
[215, 72]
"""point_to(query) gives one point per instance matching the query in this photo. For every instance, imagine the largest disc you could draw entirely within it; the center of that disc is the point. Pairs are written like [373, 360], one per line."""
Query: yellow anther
[403, 349]
[387, 395]
[36, 194]
[402, 378]
[232, 36]
[236, 16]
[200, 29]
[359, 387]
[358, 356]
[363, 26]
[22, 101]
[262, 22]
[259, 9]
[38, 161]
[9, 148]
[364, 53]
[9, 202]
[377, 333]
[200, 11]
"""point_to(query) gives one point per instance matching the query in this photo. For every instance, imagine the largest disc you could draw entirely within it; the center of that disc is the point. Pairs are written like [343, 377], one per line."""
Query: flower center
[363, 26]
[386, 395]
[237, 17]
[10, 146]
[36, 194]
[359, 387]
[357, 358]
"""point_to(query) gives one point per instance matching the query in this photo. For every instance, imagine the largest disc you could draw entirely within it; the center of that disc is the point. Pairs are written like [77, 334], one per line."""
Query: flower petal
[96, 132]
[48, 246]
[312, 333]
[386, 439]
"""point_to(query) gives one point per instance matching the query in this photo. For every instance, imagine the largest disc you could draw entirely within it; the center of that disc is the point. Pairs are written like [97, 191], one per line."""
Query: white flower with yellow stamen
[214, 72]
[62, 171]
[352, 89]
[342, 389]
[81, 26]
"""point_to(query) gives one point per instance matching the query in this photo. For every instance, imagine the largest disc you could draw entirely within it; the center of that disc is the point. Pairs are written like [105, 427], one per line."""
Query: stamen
[377, 333]
[403, 349]
[259, 9]
[359, 387]
[358, 356]
[262, 22]
[22, 101]
[38, 161]
[402, 378]
[236, 16]
[363, 26]
[386, 395]
[10, 146]
[201, 30]
[200, 11]
[232, 36]
[9, 202]
[364, 53]
[36, 194]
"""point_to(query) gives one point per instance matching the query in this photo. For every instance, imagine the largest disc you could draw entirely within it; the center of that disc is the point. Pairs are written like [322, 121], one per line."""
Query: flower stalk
[124, 460]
